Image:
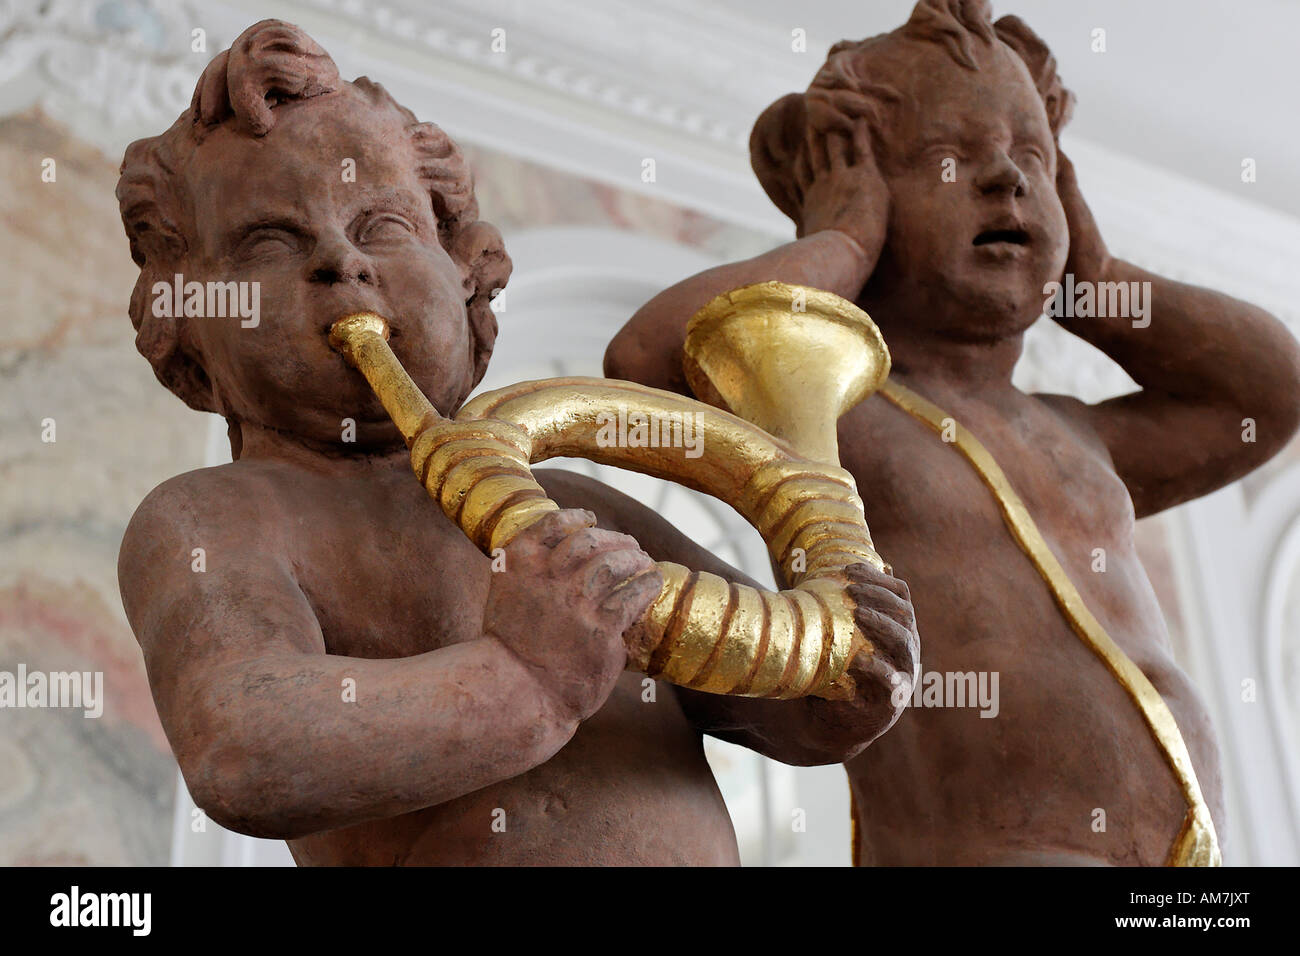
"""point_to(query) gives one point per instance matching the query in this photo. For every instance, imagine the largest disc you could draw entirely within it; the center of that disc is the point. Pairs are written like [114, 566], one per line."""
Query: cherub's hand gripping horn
[793, 359]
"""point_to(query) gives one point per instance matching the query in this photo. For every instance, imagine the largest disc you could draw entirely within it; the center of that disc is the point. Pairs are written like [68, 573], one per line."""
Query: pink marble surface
[75, 790]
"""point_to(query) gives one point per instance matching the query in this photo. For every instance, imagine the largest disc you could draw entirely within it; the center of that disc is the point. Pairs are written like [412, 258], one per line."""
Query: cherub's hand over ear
[1089, 259]
[842, 187]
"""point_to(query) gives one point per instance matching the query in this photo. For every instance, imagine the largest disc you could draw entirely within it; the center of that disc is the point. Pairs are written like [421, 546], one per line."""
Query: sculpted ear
[159, 339]
[480, 252]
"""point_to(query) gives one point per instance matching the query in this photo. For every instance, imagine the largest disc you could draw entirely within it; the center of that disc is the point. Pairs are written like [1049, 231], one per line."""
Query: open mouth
[988, 237]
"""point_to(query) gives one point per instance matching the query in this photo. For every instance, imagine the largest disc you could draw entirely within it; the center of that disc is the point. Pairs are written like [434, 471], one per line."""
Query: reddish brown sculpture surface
[954, 272]
[345, 671]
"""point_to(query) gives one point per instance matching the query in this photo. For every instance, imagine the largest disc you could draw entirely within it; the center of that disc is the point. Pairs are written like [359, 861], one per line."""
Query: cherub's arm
[843, 218]
[648, 349]
[1205, 364]
[807, 731]
[278, 738]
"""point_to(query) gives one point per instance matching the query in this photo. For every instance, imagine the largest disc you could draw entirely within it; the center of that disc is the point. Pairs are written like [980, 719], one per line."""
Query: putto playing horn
[753, 352]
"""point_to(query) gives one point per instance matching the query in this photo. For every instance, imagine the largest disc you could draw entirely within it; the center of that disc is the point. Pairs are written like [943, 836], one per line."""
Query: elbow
[834, 749]
[837, 734]
[821, 756]
[795, 743]
[826, 743]
[1274, 403]
[237, 794]
[818, 753]
[621, 356]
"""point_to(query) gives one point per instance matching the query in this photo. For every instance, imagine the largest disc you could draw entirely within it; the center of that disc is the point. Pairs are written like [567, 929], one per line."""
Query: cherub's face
[281, 212]
[970, 257]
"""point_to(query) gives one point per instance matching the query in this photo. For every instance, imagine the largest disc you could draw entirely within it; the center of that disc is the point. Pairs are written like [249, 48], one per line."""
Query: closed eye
[384, 227]
[942, 151]
[268, 240]
[1029, 149]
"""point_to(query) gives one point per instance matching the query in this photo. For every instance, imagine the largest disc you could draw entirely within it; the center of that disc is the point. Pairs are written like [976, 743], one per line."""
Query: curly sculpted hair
[855, 85]
[270, 63]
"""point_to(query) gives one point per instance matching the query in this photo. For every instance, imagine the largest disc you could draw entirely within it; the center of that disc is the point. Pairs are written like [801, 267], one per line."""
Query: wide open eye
[385, 227]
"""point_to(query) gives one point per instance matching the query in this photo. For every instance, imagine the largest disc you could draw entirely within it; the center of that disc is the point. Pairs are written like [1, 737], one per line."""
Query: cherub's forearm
[1220, 379]
[295, 744]
[1220, 390]
[1195, 343]
[649, 348]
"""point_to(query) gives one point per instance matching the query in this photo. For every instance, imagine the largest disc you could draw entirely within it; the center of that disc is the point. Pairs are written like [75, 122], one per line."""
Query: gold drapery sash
[1196, 843]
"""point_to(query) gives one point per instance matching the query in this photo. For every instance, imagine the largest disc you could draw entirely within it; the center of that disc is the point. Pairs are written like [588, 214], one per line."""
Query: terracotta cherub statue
[344, 669]
[923, 173]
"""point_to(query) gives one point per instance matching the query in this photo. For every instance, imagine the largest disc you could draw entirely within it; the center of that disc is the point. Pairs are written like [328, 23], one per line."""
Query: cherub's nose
[336, 260]
[1001, 174]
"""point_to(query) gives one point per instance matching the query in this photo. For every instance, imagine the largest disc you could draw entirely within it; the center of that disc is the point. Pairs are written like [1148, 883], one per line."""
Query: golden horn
[702, 632]
[789, 359]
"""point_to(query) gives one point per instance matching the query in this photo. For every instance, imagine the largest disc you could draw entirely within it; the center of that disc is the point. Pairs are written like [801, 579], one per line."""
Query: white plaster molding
[113, 71]
[1235, 564]
[1273, 581]
[1280, 650]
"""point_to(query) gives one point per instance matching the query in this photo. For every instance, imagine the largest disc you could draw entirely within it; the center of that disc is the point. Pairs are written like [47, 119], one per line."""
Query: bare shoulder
[233, 510]
[1076, 415]
[230, 497]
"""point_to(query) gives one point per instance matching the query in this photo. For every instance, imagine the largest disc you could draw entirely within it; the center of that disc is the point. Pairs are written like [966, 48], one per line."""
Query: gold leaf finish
[702, 632]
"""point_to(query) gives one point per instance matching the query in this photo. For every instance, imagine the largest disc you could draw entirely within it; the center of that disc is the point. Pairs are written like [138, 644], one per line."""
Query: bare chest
[938, 522]
[386, 573]
[909, 474]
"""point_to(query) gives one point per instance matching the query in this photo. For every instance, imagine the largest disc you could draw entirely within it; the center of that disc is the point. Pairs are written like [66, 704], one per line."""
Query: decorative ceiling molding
[599, 53]
[111, 71]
